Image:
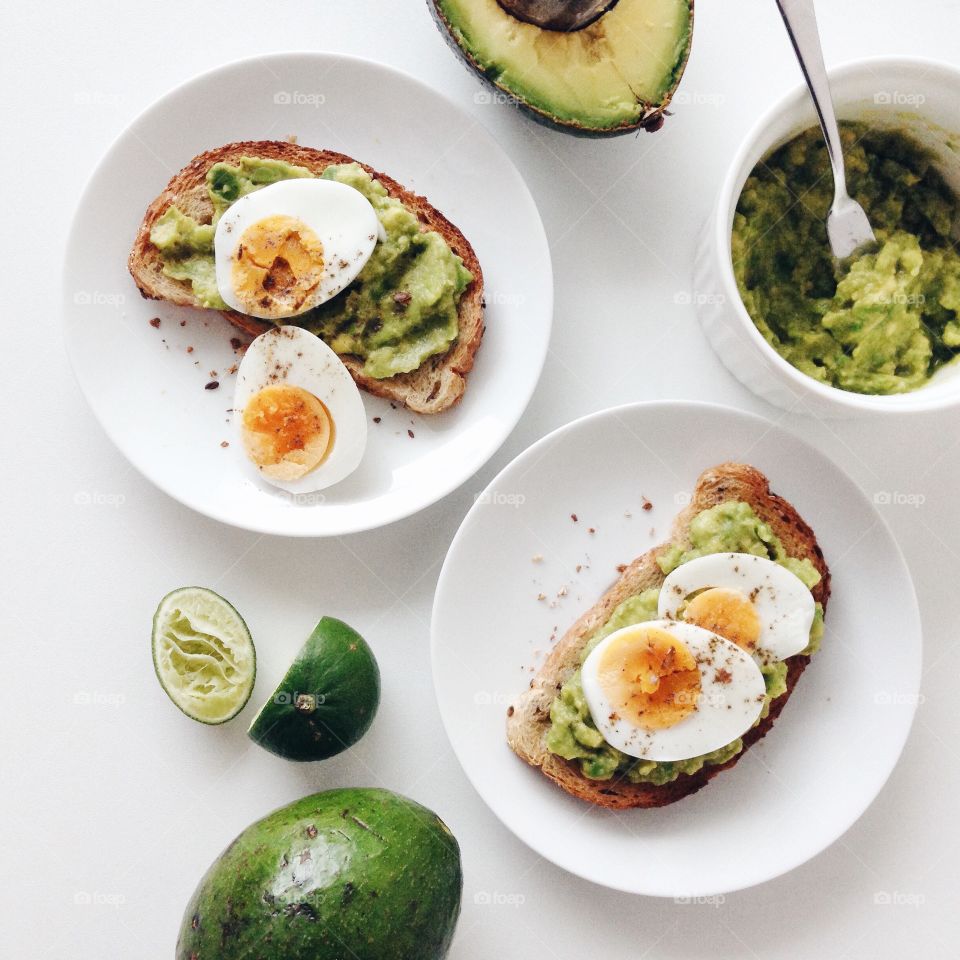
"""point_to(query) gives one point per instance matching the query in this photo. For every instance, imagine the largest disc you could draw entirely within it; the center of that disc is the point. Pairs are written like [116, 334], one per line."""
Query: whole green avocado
[352, 874]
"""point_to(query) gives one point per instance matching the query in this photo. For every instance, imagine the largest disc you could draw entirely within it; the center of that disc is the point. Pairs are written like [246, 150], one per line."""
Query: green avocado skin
[352, 874]
[338, 674]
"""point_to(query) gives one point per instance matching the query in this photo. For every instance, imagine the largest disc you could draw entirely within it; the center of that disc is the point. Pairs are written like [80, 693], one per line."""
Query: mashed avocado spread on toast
[401, 310]
[730, 527]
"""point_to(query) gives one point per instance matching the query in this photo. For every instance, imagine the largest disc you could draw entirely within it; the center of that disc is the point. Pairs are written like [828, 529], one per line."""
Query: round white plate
[793, 793]
[147, 390]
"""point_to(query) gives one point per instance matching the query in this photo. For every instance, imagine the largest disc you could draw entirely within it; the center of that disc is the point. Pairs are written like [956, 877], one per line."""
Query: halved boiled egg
[300, 415]
[292, 245]
[666, 690]
[758, 604]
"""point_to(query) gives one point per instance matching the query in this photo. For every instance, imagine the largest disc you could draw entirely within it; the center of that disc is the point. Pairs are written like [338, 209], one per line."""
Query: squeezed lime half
[203, 654]
[327, 699]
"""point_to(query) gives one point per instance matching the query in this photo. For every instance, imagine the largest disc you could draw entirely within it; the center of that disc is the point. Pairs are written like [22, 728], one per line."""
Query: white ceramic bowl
[920, 96]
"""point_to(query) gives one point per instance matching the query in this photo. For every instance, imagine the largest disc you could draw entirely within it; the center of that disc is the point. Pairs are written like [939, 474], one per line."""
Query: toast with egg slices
[528, 719]
[434, 386]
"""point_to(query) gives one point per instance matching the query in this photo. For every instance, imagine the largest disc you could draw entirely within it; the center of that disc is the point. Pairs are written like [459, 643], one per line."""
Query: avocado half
[615, 76]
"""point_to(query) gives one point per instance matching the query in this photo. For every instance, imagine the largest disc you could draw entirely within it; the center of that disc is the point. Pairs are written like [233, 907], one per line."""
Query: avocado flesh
[612, 74]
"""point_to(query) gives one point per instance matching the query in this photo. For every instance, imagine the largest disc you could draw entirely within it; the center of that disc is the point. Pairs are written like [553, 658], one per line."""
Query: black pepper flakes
[410, 434]
[212, 385]
[155, 323]
[376, 419]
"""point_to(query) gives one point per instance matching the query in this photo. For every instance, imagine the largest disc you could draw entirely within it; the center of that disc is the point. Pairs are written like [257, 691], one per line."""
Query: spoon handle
[800, 18]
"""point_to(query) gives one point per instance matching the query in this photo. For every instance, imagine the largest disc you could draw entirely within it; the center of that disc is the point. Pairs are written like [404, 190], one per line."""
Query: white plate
[839, 737]
[148, 392]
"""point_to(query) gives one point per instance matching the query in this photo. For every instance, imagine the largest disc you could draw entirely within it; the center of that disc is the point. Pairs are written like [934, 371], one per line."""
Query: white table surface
[110, 796]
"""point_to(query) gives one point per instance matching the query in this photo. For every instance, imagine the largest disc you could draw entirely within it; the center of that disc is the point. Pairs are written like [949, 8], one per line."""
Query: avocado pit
[565, 16]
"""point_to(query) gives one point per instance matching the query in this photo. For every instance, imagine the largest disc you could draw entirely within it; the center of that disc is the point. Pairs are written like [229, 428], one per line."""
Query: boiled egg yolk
[277, 264]
[728, 613]
[651, 678]
[287, 431]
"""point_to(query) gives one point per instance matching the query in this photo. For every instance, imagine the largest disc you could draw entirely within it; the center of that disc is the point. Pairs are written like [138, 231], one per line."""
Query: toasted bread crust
[436, 385]
[528, 720]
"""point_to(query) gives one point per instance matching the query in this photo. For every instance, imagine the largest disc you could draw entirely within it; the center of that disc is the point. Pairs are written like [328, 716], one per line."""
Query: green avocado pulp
[401, 309]
[882, 324]
[730, 527]
[602, 77]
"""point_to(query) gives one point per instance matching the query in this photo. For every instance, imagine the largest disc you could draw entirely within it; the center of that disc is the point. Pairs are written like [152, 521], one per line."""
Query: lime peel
[327, 699]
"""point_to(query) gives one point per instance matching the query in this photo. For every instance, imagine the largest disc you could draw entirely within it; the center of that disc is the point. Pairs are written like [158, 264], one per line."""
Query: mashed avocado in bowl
[887, 321]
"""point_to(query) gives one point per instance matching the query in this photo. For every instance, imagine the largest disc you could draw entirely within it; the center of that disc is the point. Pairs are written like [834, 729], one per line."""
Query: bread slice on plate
[436, 385]
[528, 720]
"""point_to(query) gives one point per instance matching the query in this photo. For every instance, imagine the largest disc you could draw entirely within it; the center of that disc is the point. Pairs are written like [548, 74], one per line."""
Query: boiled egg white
[666, 690]
[758, 604]
[300, 415]
[292, 245]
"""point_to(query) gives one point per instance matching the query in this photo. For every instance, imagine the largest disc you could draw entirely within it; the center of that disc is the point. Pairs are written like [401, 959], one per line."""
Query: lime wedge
[203, 654]
[327, 699]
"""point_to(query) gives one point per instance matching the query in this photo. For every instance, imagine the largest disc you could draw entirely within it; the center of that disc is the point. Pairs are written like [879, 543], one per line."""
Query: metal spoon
[848, 227]
[562, 15]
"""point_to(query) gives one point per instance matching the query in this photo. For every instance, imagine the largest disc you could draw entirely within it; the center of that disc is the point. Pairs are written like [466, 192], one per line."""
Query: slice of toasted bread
[434, 386]
[528, 720]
